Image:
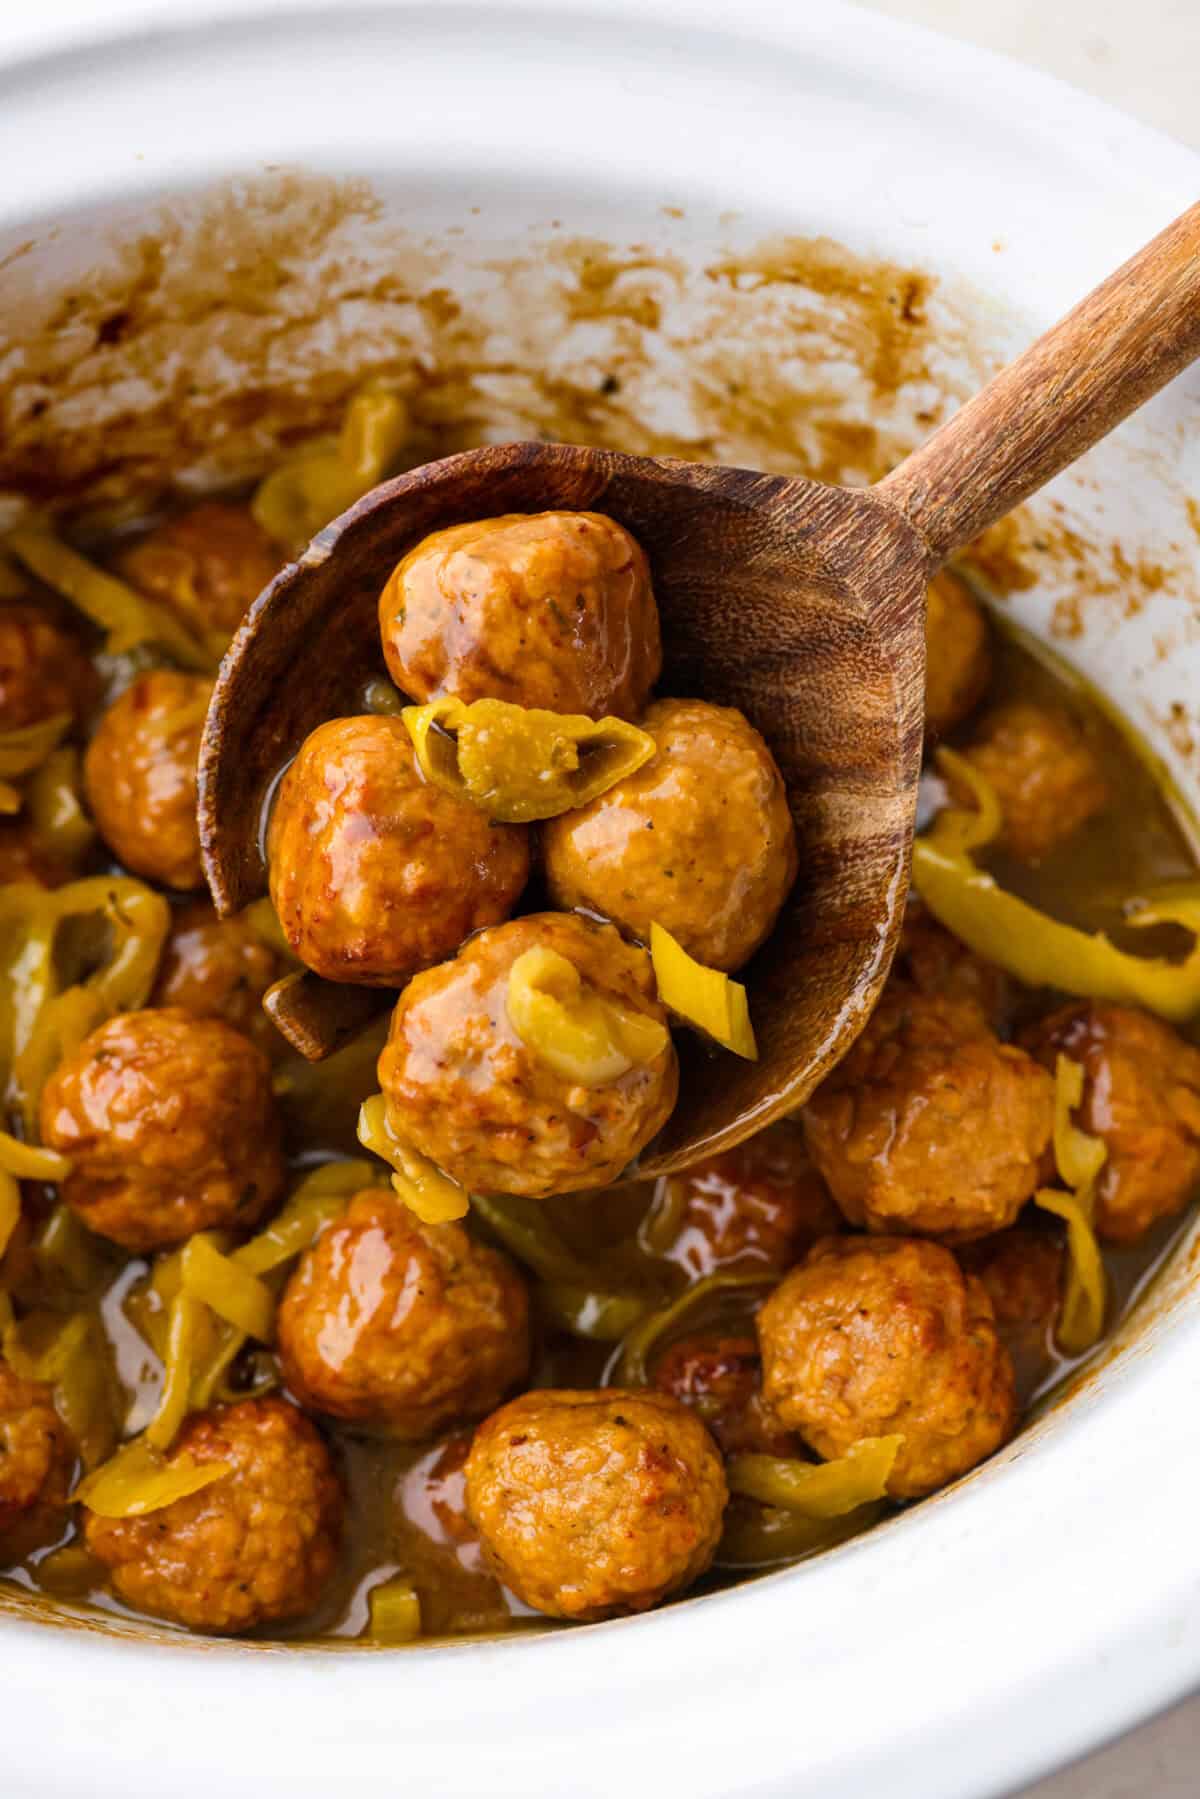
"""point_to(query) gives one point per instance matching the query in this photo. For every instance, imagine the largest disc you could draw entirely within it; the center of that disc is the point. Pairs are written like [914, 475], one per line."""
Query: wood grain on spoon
[801, 604]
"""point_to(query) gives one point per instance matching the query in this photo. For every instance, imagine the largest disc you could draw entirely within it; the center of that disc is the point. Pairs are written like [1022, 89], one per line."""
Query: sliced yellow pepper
[818, 1490]
[29, 1163]
[521, 763]
[56, 809]
[228, 1289]
[425, 1190]
[326, 476]
[703, 997]
[320, 1197]
[395, 1609]
[38, 1024]
[1036, 949]
[126, 615]
[179, 1360]
[1079, 1158]
[580, 1034]
[138, 1480]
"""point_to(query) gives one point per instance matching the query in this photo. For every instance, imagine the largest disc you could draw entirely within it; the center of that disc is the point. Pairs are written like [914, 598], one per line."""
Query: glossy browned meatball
[761, 1203]
[400, 1326]
[140, 777]
[931, 1124]
[934, 961]
[1022, 1269]
[170, 1125]
[207, 565]
[256, 1546]
[551, 609]
[219, 968]
[720, 1379]
[594, 1504]
[869, 1337]
[1045, 773]
[1141, 1097]
[464, 1088]
[43, 671]
[958, 655]
[35, 1465]
[374, 872]
[699, 840]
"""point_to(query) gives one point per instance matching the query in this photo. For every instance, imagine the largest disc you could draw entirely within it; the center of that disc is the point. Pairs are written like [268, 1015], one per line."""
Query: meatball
[1141, 1097]
[931, 1124]
[934, 961]
[463, 1088]
[400, 1326]
[35, 1465]
[256, 1546]
[551, 609]
[594, 1504]
[1045, 773]
[170, 1125]
[762, 1202]
[1022, 1270]
[140, 777]
[218, 968]
[207, 565]
[869, 1337]
[43, 671]
[376, 874]
[699, 839]
[958, 656]
[720, 1379]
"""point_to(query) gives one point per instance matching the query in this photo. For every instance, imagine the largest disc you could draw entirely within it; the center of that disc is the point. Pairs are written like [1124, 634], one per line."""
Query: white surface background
[1143, 56]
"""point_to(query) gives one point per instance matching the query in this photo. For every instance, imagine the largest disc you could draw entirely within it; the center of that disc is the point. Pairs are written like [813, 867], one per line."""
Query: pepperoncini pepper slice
[1079, 1158]
[425, 1190]
[580, 1034]
[1038, 950]
[395, 1611]
[56, 812]
[321, 480]
[703, 997]
[128, 618]
[139, 1479]
[320, 1198]
[228, 1289]
[818, 1490]
[521, 763]
[38, 1023]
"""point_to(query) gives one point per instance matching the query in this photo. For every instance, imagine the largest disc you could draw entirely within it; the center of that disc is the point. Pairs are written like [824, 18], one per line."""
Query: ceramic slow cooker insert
[798, 242]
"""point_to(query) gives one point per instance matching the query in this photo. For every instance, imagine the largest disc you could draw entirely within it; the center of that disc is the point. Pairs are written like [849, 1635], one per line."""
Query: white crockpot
[1054, 1598]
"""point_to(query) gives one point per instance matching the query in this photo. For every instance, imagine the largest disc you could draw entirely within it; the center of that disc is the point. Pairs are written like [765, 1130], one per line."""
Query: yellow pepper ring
[522, 763]
[1038, 950]
[580, 1034]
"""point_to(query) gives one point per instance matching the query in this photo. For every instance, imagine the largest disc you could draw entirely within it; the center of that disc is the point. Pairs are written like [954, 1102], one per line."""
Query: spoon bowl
[801, 604]
[757, 582]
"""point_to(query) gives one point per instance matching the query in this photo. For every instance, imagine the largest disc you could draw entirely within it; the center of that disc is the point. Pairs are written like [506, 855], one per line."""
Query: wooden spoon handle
[1068, 390]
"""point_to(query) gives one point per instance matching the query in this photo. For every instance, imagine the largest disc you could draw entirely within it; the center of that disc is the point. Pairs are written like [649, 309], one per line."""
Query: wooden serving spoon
[804, 605]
